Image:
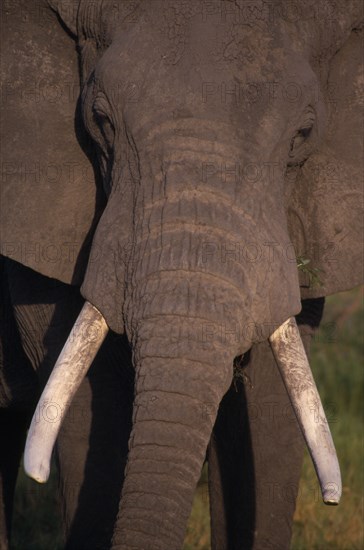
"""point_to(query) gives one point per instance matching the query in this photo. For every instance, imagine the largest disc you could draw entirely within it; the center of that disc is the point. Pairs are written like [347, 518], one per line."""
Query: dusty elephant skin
[227, 146]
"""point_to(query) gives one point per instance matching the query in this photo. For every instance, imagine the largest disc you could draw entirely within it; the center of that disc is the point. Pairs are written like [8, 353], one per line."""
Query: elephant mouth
[80, 349]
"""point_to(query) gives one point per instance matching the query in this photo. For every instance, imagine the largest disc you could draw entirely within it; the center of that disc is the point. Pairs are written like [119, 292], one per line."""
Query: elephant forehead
[193, 47]
[139, 74]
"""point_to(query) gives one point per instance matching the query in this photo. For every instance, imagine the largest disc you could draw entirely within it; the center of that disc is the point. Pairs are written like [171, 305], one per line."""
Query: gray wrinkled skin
[174, 158]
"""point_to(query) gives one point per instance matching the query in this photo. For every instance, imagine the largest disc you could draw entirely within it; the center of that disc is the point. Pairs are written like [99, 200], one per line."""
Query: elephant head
[227, 141]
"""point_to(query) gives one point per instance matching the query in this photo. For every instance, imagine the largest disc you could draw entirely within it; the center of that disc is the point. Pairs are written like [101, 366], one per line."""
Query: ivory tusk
[297, 376]
[76, 357]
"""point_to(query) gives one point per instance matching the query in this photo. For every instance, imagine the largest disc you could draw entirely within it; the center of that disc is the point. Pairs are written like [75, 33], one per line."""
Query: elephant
[167, 167]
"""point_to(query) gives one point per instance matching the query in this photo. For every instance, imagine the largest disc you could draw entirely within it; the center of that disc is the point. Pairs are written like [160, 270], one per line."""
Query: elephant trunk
[176, 403]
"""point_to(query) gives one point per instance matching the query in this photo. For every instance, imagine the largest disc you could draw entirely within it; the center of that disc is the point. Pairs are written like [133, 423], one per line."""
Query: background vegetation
[337, 362]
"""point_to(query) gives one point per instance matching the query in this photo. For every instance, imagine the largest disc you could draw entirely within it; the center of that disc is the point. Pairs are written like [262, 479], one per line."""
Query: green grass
[337, 362]
[198, 529]
[37, 521]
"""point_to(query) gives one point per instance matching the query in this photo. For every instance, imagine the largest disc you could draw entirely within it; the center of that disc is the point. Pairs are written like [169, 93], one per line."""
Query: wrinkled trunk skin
[188, 308]
[183, 368]
[177, 397]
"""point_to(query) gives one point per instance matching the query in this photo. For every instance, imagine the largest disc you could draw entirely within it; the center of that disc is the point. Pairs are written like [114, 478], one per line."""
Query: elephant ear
[325, 208]
[49, 199]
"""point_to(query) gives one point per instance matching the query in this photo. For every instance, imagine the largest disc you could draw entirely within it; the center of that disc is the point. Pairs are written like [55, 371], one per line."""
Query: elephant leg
[13, 426]
[17, 394]
[92, 446]
[256, 451]
[43, 310]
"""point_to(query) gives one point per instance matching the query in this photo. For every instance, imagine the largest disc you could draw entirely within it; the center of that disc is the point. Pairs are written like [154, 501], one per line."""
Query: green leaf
[311, 272]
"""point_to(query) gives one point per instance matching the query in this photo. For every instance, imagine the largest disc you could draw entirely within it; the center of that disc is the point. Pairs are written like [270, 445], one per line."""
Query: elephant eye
[299, 145]
[300, 137]
[107, 130]
[104, 124]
